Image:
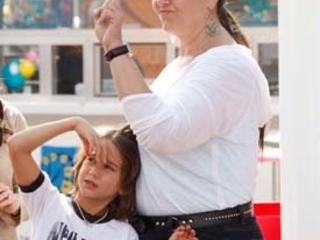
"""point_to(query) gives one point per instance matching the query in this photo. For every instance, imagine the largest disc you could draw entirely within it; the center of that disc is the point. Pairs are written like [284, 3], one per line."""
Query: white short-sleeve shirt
[53, 217]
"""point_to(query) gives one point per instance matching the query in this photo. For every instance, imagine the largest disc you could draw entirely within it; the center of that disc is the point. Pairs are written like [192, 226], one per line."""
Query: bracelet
[115, 52]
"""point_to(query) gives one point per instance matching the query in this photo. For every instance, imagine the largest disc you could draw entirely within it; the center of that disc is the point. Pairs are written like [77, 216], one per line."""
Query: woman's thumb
[97, 13]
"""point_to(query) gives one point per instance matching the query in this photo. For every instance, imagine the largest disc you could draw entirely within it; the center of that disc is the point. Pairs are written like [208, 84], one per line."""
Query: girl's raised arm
[23, 143]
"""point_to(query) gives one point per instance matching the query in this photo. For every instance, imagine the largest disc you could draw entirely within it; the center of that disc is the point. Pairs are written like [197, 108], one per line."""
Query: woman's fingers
[106, 16]
[97, 13]
[109, 10]
[184, 232]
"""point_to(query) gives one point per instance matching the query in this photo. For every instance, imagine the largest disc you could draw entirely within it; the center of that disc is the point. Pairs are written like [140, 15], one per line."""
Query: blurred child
[12, 211]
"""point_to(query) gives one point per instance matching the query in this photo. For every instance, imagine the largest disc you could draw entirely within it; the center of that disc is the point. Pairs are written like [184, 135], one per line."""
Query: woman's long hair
[229, 22]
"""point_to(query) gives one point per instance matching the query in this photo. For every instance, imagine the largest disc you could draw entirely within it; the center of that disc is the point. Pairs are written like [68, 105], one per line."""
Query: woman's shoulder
[227, 53]
[232, 59]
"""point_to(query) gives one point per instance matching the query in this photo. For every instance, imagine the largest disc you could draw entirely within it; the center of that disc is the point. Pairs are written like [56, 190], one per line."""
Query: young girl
[105, 177]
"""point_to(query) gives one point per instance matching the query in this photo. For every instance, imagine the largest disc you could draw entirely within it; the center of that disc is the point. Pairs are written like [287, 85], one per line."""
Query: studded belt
[230, 215]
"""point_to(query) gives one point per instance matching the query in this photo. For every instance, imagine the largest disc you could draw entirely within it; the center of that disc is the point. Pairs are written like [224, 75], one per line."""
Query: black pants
[248, 230]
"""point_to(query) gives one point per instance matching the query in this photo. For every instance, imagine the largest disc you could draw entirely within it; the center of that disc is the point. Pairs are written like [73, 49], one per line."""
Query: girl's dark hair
[124, 205]
[229, 22]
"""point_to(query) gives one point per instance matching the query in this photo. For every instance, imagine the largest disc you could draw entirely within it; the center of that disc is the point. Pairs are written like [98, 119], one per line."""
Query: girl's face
[179, 17]
[100, 179]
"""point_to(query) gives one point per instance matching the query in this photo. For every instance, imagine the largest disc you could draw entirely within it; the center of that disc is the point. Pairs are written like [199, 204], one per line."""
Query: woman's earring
[211, 27]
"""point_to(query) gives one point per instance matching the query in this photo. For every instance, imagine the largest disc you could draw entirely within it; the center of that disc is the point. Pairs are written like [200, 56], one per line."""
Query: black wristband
[115, 52]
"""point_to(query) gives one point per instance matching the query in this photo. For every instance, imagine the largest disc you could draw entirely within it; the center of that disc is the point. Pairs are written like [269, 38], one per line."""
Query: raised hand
[108, 24]
[184, 233]
[8, 201]
[88, 136]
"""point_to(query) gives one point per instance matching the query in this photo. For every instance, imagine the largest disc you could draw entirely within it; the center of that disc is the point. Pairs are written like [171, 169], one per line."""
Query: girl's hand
[108, 23]
[88, 136]
[8, 201]
[184, 233]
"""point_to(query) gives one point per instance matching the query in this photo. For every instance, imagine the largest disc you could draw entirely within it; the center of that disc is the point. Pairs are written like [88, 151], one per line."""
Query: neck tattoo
[84, 217]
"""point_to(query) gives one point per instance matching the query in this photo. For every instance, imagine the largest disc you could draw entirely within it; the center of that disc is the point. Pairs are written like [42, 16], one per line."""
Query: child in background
[12, 211]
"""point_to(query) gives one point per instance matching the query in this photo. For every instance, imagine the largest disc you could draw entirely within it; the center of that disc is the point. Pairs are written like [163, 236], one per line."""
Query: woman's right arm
[23, 143]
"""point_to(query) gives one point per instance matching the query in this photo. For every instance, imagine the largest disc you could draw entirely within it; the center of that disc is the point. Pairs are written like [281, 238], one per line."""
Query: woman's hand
[9, 203]
[108, 23]
[184, 233]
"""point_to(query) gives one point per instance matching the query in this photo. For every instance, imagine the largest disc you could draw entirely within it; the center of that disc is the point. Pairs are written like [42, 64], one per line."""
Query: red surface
[268, 218]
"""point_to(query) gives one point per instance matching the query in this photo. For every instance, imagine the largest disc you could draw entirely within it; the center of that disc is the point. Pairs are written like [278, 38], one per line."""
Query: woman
[197, 125]
[12, 211]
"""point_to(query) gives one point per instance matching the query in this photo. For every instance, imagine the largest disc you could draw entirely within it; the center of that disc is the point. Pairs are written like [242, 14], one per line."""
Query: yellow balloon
[27, 68]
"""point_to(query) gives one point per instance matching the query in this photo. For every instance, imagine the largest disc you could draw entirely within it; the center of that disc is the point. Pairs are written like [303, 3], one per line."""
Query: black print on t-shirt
[60, 231]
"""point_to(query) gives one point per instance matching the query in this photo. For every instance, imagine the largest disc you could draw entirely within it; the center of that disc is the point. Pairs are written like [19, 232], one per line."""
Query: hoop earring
[212, 28]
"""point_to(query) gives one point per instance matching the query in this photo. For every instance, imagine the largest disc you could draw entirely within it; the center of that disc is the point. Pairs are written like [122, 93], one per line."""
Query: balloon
[12, 76]
[27, 68]
[32, 55]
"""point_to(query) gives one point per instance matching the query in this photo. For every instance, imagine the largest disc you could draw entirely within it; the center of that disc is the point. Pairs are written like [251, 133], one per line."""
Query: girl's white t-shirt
[53, 218]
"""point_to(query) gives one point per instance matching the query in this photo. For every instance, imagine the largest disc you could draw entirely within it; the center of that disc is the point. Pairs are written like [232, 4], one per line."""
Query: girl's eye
[108, 167]
[91, 159]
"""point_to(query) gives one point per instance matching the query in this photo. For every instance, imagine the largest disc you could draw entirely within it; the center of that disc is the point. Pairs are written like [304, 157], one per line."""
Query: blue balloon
[13, 79]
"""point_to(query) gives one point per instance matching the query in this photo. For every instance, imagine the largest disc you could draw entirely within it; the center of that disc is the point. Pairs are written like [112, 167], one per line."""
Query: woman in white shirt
[198, 126]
